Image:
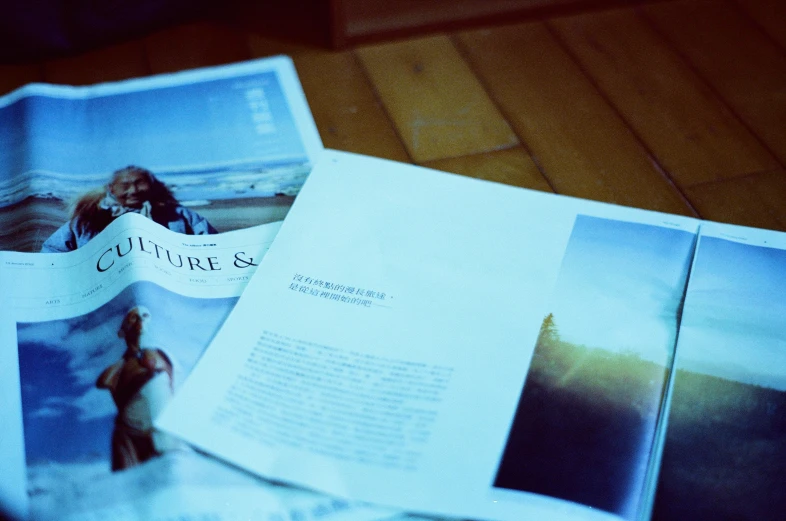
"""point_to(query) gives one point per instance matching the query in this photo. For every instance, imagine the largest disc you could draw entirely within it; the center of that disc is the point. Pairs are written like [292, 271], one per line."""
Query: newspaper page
[448, 346]
[725, 441]
[217, 149]
[106, 334]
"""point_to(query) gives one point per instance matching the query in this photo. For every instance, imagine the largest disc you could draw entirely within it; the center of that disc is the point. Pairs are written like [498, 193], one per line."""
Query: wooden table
[677, 106]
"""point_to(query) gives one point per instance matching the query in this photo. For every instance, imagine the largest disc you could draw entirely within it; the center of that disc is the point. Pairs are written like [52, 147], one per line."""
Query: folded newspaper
[105, 336]
[125, 186]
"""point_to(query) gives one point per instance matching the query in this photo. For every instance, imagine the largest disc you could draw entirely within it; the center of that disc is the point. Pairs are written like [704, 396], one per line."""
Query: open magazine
[220, 149]
[456, 347]
[106, 334]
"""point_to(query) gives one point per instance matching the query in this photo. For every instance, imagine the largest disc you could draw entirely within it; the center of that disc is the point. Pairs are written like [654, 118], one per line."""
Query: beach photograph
[586, 420]
[725, 450]
[230, 149]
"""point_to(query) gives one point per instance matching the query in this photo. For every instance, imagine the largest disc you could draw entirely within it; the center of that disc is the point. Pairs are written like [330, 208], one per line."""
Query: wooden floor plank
[116, 62]
[579, 141]
[751, 201]
[348, 115]
[198, 44]
[262, 45]
[14, 76]
[509, 104]
[512, 167]
[437, 105]
[686, 127]
[740, 61]
[770, 14]
[300, 24]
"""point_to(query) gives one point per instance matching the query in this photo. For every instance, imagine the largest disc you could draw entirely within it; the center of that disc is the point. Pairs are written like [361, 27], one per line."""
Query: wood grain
[347, 113]
[437, 105]
[691, 132]
[261, 45]
[582, 145]
[770, 14]
[364, 18]
[14, 76]
[113, 63]
[512, 167]
[736, 57]
[755, 200]
[676, 106]
[198, 44]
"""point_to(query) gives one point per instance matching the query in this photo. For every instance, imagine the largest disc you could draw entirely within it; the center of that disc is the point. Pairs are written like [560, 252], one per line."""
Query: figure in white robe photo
[141, 383]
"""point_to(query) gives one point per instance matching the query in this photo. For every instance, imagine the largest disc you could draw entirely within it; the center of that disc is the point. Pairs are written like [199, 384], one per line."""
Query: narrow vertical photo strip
[585, 424]
[725, 450]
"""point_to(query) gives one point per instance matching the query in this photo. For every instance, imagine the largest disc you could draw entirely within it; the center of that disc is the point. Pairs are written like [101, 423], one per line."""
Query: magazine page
[448, 346]
[217, 149]
[725, 444]
[105, 335]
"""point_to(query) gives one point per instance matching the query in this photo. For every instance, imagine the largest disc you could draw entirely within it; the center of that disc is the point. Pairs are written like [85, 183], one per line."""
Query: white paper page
[381, 350]
[47, 286]
[51, 287]
[59, 303]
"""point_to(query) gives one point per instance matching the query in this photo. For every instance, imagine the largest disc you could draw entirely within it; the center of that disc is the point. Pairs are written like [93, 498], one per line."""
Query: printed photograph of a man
[130, 189]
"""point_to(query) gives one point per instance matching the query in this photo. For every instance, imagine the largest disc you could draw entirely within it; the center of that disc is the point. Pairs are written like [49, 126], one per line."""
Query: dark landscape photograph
[586, 420]
[725, 450]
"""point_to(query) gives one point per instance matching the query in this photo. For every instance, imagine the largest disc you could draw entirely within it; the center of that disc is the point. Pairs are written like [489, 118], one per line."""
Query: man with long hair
[131, 189]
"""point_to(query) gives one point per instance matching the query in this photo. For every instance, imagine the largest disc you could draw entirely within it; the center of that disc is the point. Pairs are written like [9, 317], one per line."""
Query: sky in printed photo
[66, 418]
[189, 127]
[620, 285]
[734, 326]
